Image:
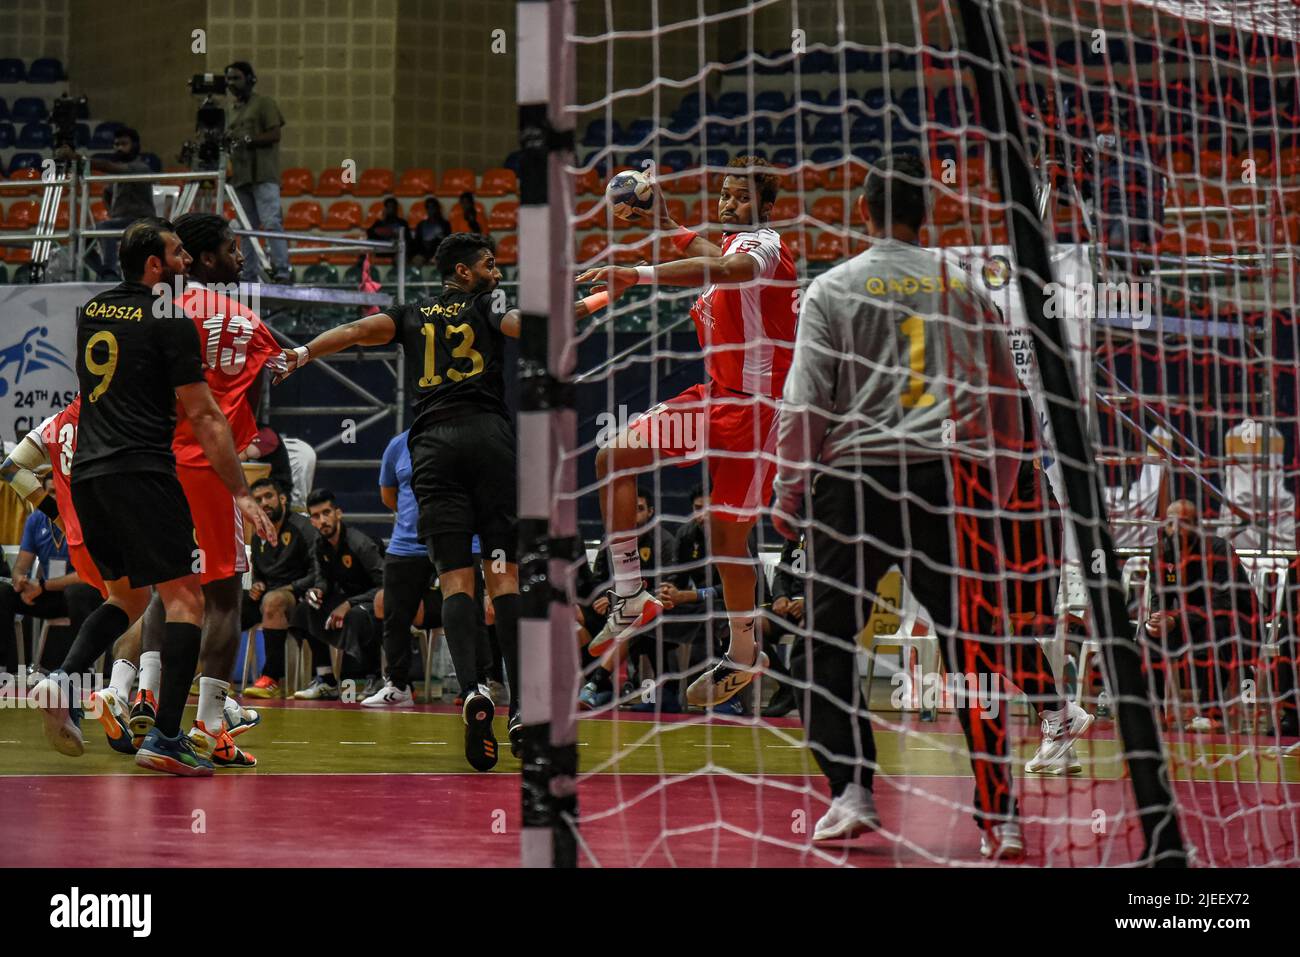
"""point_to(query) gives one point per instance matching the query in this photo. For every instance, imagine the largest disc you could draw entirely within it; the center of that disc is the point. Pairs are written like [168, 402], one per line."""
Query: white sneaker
[1003, 842]
[724, 681]
[390, 696]
[1056, 754]
[627, 616]
[1201, 725]
[850, 814]
[54, 701]
[318, 690]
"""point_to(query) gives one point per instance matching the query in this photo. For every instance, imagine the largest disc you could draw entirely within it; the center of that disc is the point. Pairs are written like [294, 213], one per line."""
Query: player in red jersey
[236, 346]
[745, 320]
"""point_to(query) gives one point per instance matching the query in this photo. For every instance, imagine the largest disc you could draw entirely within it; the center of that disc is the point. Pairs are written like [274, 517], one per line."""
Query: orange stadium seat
[682, 182]
[303, 214]
[1286, 231]
[850, 173]
[455, 181]
[1182, 243]
[374, 212]
[1182, 163]
[956, 236]
[98, 211]
[457, 218]
[498, 181]
[795, 242]
[343, 215]
[295, 181]
[857, 244]
[22, 215]
[995, 234]
[63, 218]
[304, 254]
[504, 216]
[592, 248]
[377, 181]
[1213, 163]
[806, 180]
[19, 254]
[828, 248]
[948, 209]
[828, 209]
[1263, 161]
[416, 214]
[927, 236]
[786, 209]
[31, 175]
[587, 183]
[508, 250]
[585, 215]
[696, 213]
[633, 252]
[330, 183]
[416, 181]
[1288, 162]
[1245, 233]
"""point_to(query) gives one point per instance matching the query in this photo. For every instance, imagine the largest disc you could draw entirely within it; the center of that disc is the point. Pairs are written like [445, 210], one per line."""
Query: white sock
[151, 671]
[625, 556]
[212, 699]
[123, 677]
[742, 634]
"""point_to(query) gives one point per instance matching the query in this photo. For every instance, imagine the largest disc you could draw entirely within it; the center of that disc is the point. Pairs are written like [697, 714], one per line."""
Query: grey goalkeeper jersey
[897, 360]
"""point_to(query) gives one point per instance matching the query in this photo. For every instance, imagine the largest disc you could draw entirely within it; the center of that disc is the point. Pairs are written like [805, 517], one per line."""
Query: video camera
[204, 151]
[63, 118]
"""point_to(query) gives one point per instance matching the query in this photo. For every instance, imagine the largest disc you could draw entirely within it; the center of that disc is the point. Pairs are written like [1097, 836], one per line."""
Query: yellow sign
[884, 619]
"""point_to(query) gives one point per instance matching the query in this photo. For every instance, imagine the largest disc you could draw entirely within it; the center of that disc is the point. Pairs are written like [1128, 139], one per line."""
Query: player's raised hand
[254, 515]
[614, 279]
[286, 363]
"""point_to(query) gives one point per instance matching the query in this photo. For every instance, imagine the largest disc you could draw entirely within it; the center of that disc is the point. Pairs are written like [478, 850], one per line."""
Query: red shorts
[86, 568]
[218, 525]
[733, 432]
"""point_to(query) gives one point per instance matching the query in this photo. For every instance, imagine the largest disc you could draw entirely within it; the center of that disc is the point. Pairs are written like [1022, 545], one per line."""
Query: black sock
[102, 627]
[507, 629]
[273, 644]
[460, 628]
[180, 659]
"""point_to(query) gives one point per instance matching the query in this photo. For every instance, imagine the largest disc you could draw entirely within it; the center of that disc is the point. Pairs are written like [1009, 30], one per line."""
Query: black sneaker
[516, 732]
[480, 742]
[782, 703]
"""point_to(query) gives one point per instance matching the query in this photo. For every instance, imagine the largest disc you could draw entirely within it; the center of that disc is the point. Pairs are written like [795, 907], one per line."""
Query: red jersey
[747, 331]
[58, 434]
[236, 345]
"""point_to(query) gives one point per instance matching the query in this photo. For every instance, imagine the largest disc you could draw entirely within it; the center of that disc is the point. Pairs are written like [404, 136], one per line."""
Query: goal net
[1161, 144]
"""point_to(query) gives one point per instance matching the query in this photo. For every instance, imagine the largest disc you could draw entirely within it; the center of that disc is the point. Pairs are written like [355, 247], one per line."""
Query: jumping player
[745, 320]
[133, 364]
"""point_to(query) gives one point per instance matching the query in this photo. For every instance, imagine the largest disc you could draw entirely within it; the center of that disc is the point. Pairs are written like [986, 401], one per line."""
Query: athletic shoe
[374, 685]
[144, 711]
[240, 719]
[53, 699]
[850, 814]
[723, 681]
[667, 701]
[1056, 754]
[515, 729]
[114, 717]
[172, 756]
[264, 687]
[480, 742]
[628, 616]
[498, 692]
[1003, 842]
[591, 697]
[318, 690]
[390, 696]
[1201, 725]
[781, 703]
[220, 748]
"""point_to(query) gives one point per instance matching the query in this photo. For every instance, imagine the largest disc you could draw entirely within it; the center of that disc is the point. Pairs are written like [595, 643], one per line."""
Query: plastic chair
[455, 181]
[498, 181]
[417, 181]
[377, 181]
[296, 181]
[343, 215]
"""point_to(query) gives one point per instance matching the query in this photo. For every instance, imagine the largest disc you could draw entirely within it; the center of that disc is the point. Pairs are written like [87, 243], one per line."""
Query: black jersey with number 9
[454, 354]
[129, 364]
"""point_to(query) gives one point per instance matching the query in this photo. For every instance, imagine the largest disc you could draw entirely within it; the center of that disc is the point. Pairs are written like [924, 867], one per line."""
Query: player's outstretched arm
[698, 271]
[376, 330]
[213, 432]
[19, 470]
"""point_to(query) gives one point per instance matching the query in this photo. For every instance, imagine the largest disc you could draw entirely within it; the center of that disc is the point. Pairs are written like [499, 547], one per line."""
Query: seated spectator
[1202, 616]
[283, 570]
[126, 202]
[53, 592]
[785, 617]
[390, 225]
[339, 607]
[429, 233]
[469, 211]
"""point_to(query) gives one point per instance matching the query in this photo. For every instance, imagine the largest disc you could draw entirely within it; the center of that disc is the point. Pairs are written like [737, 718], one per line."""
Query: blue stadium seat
[903, 60]
[718, 133]
[819, 61]
[910, 103]
[827, 155]
[34, 136]
[771, 101]
[102, 138]
[4, 108]
[762, 127]
[28, 109]
[867, 129]
[12, 70]
[677, 159]
[690, 105]
[810, 96]
[683, 127]
[637, 132]
[868, 154]
[875, 100]
[7, 135]
[829, 129]
[82, 137]
[597, 134]
[787, 131]
[780, 62]
[24, 161]
[716, 157]
[731, 105]
[834, 97]
[785, 156]
[863, 61]
[638, 159]
[46, 70]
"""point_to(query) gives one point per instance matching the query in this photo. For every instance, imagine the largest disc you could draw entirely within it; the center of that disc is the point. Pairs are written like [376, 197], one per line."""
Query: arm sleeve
[311, 577]
[270, 117]
[809, 400]
[180, 346]
[367, 552]
[28, 543]
[388, 465]
[492, 307]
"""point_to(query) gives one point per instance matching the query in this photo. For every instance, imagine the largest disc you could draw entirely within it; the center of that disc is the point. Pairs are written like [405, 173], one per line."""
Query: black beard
[277, 513]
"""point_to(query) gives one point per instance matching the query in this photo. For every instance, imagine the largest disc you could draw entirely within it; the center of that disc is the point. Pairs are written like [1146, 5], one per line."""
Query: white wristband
[644, 275]
[303, 355]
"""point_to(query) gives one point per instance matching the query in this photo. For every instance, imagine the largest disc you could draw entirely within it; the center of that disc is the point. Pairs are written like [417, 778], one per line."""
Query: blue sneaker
[732, 707]
[52, 696]
[172, 756]
[240, 719]
[591, 697]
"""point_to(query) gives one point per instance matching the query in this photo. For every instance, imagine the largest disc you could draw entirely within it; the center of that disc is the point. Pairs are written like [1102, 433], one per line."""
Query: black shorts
[137, 525]
[464, 473]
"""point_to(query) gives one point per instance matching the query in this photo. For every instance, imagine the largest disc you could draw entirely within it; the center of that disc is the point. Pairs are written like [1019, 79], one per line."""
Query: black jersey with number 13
[454, 354]
[129, 364]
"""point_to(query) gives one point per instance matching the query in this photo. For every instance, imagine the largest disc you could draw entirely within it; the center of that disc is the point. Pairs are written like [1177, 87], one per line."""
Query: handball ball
[628, 191]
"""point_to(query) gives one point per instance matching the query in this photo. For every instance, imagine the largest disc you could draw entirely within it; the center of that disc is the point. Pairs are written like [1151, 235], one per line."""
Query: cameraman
[254, 128]
[126, 202]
